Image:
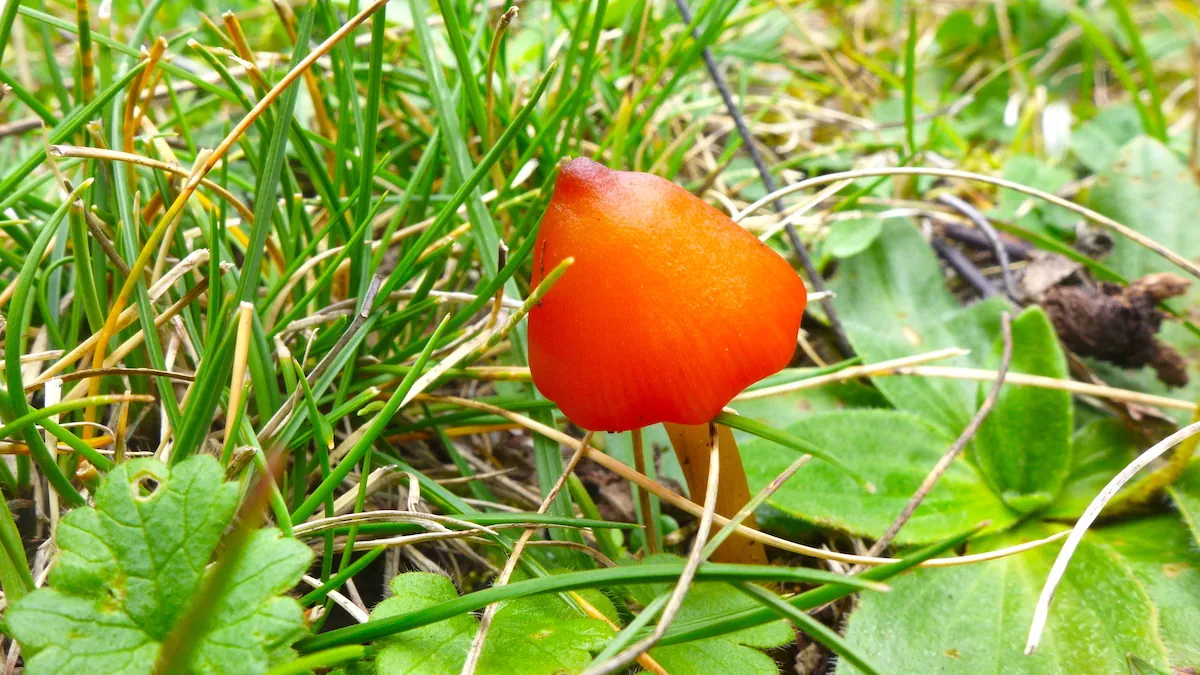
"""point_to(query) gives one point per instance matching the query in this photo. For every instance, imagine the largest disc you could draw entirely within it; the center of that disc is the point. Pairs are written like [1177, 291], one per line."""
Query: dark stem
[974, 239]
[993, 237]
[814, 276]
[963, 267]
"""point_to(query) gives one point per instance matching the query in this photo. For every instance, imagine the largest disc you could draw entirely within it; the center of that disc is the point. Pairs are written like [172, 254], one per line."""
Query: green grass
[384, 184]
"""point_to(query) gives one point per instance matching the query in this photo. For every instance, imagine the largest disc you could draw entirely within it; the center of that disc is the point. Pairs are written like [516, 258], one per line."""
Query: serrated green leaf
[1023, 448]
[893, 450]
[538, 634]
[974, 618]
[128, 568]
[737, 652]
[252, 619]
[433, 649]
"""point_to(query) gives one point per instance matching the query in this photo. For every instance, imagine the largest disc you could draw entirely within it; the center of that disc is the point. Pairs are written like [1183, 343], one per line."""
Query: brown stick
[967, 434]
[692, 445]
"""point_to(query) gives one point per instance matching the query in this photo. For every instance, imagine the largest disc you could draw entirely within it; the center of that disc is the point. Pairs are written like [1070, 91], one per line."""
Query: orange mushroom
[669, 311]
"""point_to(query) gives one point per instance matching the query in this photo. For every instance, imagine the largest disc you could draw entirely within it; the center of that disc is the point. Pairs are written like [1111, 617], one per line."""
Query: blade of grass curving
[788, 440]
[1145, 64]
[371, 433]
[340, 578]
[69, 126]
[321, 661]
[357, 250]
[6, 23]
[612, 576]
[910, 81]
[14, 341]
[810, 626]
[522, 518]
[734, 621]
[322, 431]
[117, 46]
[15, 577]
[1102, 44]
[466, 72]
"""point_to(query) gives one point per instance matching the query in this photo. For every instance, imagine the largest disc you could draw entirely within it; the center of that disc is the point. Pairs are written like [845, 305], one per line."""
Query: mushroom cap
[669, 310]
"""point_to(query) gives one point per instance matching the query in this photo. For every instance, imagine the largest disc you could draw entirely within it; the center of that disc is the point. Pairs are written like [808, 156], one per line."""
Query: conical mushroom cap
[669, 311]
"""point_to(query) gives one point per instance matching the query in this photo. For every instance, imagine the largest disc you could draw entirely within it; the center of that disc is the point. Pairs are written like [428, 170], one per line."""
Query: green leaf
[1162, 555]
[1030, 212]
[1098, 452]
[1023, 447]
[894, 284]
[1096, 142]
[893, 450]
[736, 652]
[128, 569]
[974, 618]
[895, 304]
[537, 634]
[436, 648]
[851, 237]
[1186, 494]
[1148, 188]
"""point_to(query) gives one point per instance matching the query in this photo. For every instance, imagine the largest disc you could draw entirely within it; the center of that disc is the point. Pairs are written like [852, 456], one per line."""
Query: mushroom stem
[692, 444]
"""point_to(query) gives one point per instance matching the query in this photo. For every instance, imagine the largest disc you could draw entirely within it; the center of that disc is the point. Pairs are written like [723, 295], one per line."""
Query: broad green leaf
[1023, 447]
[1148, 188]
[253, 624]
[127, 570]
[538, 634]
[437, 648]
[737, 652]
[1186, 494]
[1096, 142]
[1099, 451]
[895, 303]
[893, 450]
[895, 284]
[851, 237]
[1162, 555]
[974, 618]
[1030, 212]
